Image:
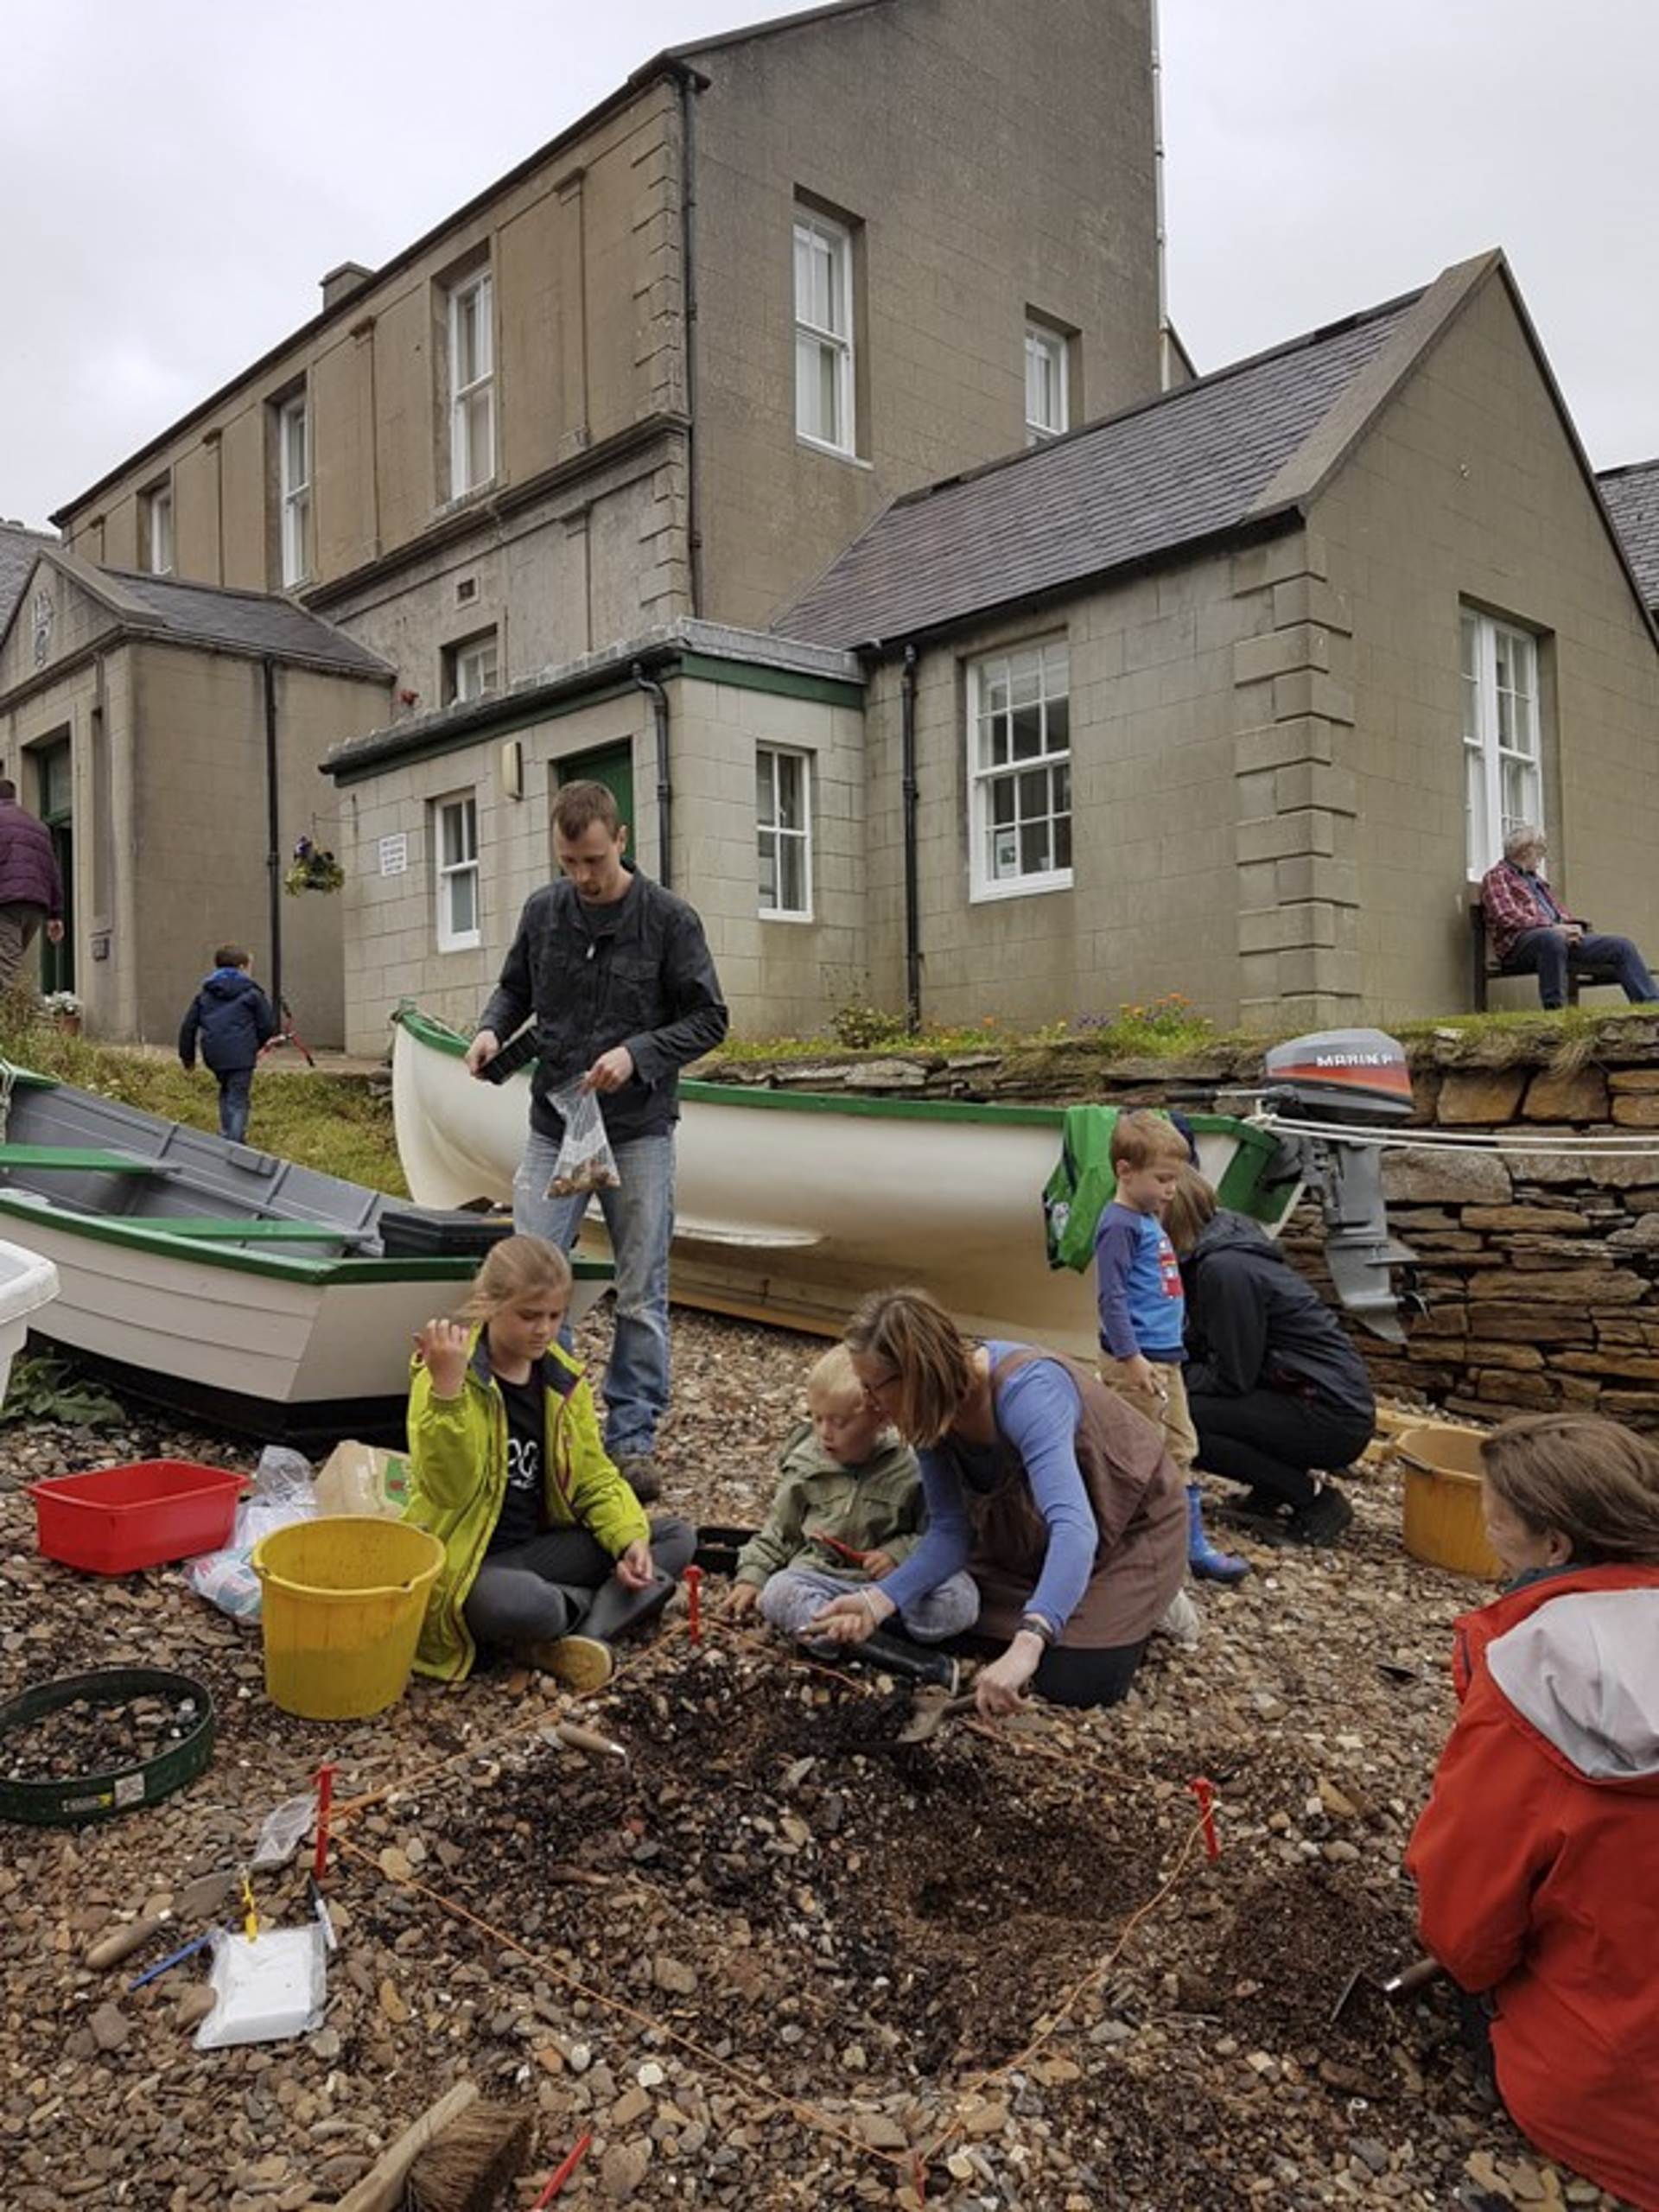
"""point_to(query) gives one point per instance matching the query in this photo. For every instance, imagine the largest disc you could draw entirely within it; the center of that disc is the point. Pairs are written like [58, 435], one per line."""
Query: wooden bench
[1483, 970]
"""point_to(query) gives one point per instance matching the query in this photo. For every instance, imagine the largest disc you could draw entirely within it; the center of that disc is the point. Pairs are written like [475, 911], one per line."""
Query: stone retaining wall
[1537, 1272]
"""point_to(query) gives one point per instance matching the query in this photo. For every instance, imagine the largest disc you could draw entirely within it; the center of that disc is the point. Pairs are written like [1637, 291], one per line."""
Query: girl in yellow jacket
[547, 1553]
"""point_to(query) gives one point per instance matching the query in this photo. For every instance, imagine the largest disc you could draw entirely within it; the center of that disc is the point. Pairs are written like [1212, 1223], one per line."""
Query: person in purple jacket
[31, 884]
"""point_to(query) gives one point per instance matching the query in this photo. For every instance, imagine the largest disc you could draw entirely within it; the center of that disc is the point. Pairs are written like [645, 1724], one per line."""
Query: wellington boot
[1206, 1562]
[914, 1663]
[616, 1608]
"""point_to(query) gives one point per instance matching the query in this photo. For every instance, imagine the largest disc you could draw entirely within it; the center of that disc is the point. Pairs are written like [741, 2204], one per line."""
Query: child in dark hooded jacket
[1274, 1387]
[231, 1018]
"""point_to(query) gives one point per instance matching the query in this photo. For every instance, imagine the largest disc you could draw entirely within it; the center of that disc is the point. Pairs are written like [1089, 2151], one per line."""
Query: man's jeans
[1551, 953]
[640, 1214]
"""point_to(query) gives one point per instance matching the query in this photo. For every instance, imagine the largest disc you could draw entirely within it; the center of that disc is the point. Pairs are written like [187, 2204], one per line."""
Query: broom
[457, 2157]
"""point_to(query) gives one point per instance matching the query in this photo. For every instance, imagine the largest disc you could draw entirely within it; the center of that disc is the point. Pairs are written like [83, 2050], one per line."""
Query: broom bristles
[469, 2166]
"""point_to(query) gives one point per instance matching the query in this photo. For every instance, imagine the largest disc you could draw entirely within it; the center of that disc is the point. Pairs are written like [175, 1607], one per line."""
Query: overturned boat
[791, 1204]
[225, 1284]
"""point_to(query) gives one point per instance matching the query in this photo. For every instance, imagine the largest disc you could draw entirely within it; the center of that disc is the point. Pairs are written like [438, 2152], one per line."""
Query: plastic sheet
[283, 1492]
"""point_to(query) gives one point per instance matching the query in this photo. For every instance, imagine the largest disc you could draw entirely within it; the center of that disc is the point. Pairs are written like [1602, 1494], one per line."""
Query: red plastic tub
[141, 1515]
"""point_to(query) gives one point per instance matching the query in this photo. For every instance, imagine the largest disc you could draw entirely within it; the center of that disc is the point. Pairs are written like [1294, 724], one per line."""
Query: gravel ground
[770, 1960]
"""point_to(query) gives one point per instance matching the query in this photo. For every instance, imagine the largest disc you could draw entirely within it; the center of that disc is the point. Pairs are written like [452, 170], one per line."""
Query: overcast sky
[177, 176]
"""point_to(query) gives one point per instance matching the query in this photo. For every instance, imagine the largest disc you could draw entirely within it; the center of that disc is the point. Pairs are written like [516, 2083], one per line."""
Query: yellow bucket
[1444, 1525]
[343, 1599]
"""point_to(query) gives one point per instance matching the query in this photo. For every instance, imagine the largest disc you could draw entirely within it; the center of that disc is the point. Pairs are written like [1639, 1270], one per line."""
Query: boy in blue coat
[1142, 1310]
[232, 1018]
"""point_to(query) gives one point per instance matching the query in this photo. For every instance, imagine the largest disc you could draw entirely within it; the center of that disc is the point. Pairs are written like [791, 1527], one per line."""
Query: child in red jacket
[1537, 1855]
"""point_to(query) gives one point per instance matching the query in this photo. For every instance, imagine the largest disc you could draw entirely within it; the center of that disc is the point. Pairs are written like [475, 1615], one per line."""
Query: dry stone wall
[1537, 1268]
[1536, 1281]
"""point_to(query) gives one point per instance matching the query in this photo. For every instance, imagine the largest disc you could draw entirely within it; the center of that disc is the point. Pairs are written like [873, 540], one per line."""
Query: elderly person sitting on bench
[1530, 930]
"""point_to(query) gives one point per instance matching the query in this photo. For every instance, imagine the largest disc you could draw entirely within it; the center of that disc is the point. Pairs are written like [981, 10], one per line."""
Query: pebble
[300, 2122]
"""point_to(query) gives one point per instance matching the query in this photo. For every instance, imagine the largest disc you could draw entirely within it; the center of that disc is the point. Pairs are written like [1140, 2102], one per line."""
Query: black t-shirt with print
[522, 1516]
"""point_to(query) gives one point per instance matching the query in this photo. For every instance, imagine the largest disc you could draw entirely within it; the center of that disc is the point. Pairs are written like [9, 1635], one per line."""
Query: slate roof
[20, 549]
[1240, 445]
[1632, 496]
[252, 622]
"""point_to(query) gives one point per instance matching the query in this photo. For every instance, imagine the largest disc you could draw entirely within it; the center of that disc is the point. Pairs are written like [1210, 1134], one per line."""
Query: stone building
[167, 732]
[665, 369]
[1236, 694]
[1230, 694]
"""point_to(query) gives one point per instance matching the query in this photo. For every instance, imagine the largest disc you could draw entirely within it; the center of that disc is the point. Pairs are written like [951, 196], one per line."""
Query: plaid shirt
[1514, 901]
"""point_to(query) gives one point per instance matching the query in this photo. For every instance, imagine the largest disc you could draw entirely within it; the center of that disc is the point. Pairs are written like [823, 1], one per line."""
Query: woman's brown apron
[1140, 1506]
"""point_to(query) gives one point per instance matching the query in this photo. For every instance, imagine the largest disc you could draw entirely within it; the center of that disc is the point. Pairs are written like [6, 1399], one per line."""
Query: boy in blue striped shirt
[1142, 1310]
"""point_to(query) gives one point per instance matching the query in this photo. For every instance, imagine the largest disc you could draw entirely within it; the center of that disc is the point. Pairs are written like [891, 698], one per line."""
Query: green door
[612, 765]
[53, 765]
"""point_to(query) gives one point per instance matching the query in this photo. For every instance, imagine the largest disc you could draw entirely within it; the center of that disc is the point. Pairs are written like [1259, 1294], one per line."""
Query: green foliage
[1162, 1028]
[862, 1027]
[42, 1386]
[312, 869]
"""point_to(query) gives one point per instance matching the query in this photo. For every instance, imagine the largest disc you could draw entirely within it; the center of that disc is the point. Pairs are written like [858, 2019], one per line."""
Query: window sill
[460, 944]
[457, 501]
[833, 452]
[1027, 886]
[784, 914]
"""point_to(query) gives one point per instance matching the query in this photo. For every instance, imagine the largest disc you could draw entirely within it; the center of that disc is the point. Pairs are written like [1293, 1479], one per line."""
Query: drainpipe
[1161, 245]
[273, 833]
[690, 85]
[664, 786]
[913, 908]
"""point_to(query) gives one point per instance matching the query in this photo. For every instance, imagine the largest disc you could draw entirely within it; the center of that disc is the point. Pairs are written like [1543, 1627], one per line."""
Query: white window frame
[471, 319]
[294, 487]
[1048, 397]
[474, 667]
[1013, 747]
[783, 831]
[823, 334]
[157, 504]
[454, 861]
[1502, 735]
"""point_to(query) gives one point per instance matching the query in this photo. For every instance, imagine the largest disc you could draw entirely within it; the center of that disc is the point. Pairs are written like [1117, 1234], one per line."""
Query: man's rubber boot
[1206, 1562]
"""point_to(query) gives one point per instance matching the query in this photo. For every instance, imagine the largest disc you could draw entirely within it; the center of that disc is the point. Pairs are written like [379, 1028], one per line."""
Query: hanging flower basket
[312, 869]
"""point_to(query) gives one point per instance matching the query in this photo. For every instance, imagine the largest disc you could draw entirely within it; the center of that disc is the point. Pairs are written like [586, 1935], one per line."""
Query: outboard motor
[1358, 1076]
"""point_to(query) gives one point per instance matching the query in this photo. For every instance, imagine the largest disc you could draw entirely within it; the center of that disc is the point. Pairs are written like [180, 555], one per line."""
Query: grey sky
[177, 177]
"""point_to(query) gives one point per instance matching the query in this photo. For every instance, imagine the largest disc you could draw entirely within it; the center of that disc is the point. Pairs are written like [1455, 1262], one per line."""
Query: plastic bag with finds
[585, 1162]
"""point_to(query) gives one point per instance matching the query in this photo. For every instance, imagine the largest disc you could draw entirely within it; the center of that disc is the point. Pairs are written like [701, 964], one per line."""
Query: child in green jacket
[848, 1509]
[547, 1552]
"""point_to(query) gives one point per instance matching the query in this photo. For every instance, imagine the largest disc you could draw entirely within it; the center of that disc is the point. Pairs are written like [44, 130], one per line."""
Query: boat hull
[305, 1341]
[791, 1206]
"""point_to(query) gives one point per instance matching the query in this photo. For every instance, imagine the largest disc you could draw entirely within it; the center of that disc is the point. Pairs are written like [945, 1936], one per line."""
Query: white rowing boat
[790, 1205]
[224, 1283]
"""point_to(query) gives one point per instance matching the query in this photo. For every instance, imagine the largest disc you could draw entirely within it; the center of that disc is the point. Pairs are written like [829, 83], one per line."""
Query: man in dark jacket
[232, 1018]
[618, 974]
[31, 886]
[1274, 1389]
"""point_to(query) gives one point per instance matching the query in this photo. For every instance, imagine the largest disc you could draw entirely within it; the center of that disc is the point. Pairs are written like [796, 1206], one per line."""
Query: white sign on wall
[394, 855]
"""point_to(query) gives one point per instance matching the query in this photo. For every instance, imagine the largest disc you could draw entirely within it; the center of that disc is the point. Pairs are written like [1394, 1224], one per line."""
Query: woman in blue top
[1060, 1501]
